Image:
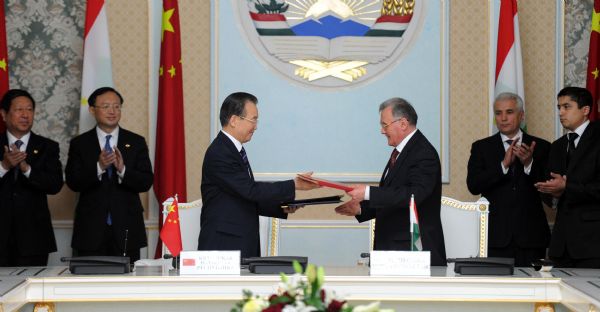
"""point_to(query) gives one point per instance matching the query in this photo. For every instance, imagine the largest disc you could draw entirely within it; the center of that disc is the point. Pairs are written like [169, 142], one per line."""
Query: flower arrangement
[298, 295]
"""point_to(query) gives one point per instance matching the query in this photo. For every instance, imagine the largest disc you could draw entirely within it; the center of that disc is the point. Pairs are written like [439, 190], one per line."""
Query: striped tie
[18, 144]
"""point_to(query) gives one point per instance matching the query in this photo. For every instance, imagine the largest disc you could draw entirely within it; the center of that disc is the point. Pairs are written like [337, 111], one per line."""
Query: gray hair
[400, 109]
[512, 97]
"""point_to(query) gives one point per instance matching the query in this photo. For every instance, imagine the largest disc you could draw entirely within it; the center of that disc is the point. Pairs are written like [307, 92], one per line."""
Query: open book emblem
[330, 43]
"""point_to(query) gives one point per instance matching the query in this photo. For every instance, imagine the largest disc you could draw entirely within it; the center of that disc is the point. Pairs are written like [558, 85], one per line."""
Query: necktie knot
[107, 146]
[572, 137]
[571, 146]
[393, 157]
[509, 141]
[19, 143]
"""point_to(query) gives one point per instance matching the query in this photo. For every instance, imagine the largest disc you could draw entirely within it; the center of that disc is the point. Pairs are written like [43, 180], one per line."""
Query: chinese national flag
[169, 158]
[3, 58]
[593, 79]
[171, 231]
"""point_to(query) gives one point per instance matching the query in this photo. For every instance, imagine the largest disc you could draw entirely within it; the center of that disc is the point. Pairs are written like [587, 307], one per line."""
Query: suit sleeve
[540, 161]
[271, 209]
[46, 175]
[138, 173]
[585, 191]
[81, 173]
[226, 172]
[423, 174]
[366, 213]
[481, 177]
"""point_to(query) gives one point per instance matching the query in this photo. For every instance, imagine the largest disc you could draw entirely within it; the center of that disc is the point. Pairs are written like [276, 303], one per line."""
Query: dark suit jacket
[577, 225]
[24, 204]
[516, 210]
[417, 171]
[232, 201]
[99, 197]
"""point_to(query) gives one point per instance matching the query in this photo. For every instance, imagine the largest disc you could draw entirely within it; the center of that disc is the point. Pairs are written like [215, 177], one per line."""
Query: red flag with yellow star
[593, 77]
[3, 58]
[171, 231]
[169, 158]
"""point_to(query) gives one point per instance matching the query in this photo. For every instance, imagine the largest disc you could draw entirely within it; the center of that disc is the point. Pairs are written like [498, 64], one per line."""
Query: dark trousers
[13, 259]
[565, 261]
[523, 256]
[110, 247]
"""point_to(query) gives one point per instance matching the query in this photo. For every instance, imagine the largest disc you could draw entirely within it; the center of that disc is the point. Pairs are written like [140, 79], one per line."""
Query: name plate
[400, 263]
[209, 262]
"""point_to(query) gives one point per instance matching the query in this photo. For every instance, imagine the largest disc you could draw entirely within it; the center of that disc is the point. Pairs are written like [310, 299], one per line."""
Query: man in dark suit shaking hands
[574, 183]
[504, 168]
[413, 169]
[109, 166]
[232, 199]
[29, 170]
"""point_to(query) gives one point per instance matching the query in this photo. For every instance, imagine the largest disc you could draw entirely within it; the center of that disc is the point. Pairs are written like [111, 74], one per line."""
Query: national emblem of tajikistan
[329, 43]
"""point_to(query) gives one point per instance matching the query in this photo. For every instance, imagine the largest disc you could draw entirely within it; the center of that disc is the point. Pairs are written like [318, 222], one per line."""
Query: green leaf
[297, 267]
[320, 277]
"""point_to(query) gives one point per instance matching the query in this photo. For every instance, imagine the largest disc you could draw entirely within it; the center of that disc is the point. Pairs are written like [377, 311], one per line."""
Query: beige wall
[469, 54]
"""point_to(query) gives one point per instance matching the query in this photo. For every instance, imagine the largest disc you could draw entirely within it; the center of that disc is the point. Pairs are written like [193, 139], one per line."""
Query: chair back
[465, 226]
[189, 222]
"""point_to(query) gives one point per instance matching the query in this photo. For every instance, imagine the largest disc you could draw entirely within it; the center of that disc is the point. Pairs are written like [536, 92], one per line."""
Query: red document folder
[326, 183]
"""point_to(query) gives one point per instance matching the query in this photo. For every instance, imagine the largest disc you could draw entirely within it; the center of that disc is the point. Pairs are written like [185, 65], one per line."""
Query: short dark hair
[98, 92]
[234, 104]
[12, 94]
[581, 96]
[401, 109]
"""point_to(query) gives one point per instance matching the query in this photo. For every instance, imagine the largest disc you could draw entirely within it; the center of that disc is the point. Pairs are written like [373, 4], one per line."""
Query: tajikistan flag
[415, 233]
[97, 67]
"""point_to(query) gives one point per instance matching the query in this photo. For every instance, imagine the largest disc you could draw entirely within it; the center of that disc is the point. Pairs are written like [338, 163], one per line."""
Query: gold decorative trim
[44, 307]
[274, 239]
[543, 307]
[482, 207]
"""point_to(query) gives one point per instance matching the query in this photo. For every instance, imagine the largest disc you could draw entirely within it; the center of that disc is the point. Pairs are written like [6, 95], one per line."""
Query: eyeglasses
[254, 121]
[105, 107]
[385, 125]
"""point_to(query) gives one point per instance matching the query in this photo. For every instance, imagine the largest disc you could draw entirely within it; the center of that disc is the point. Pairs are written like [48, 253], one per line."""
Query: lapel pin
[35, 151]
[127, 145]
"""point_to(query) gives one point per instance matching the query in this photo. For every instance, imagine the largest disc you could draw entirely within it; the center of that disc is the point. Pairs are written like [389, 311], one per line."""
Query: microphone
[168, 256]
[125, 244]
[365, 255]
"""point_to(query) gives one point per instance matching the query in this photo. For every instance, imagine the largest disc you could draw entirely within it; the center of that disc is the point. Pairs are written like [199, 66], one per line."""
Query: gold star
[166, 22]
[172, 71]
[160, 71]
[171, 209]
[596, 21]
[174, 221]
[595, 73]
[3, 64]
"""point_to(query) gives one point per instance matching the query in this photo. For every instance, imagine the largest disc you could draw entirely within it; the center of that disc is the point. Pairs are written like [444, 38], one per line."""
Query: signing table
[55, 289]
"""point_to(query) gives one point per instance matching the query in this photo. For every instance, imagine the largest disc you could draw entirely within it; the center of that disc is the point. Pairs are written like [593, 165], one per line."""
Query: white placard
[209, 262]
[400, 263]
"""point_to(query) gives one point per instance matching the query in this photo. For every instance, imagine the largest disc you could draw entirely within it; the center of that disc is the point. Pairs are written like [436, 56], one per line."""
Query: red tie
[393, 158]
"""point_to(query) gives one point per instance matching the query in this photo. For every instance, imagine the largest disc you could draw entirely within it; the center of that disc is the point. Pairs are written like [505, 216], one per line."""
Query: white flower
[298, 307]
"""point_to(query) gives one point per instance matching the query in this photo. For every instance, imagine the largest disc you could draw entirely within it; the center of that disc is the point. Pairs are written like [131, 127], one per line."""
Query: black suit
[232, 201]
[417, 171]
[25, 225]
[517, 220]
[99, 197]
[576, 232]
